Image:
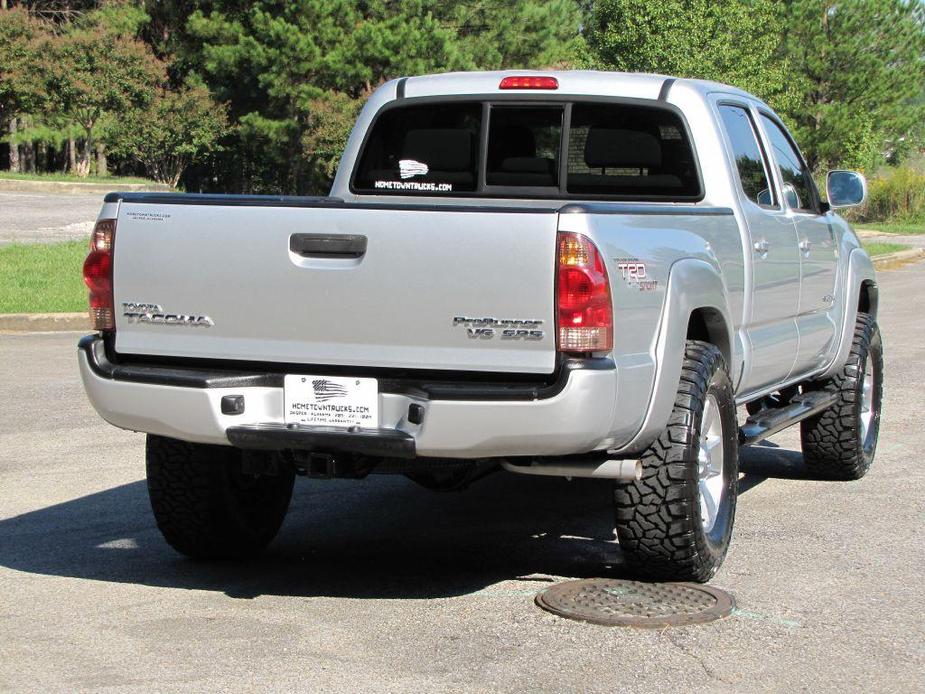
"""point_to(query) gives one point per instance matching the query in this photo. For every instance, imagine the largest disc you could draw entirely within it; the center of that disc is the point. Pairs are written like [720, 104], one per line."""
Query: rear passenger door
[817, 249]
[769, 326]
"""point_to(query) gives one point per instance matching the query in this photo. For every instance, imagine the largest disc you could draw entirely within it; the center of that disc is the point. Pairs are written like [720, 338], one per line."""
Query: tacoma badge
[154, 313]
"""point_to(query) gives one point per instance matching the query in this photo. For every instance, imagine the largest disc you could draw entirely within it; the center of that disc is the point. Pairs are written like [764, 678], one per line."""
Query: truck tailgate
[283, 284]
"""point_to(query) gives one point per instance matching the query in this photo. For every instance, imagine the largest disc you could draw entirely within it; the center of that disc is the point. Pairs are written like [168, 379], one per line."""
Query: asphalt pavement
[45, 218]
[379, 586]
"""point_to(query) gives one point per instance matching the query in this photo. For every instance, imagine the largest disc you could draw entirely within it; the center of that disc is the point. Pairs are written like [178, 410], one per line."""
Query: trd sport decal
[635, 275]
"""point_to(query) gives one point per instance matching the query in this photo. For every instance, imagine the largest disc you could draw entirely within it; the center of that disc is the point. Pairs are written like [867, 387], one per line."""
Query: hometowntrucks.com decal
[414, 185]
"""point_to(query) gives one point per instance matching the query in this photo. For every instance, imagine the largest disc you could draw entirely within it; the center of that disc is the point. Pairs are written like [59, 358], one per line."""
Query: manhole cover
[613, 602]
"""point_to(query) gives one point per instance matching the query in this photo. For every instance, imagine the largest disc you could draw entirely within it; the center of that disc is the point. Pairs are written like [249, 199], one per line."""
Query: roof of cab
[585, 82]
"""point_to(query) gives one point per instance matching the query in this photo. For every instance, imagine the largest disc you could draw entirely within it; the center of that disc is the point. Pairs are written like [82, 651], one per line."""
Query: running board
[767, 422]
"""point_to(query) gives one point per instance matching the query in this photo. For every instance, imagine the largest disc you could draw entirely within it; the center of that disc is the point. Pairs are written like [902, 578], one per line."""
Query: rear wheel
[675, 523]
[840, 442]
[208, 505]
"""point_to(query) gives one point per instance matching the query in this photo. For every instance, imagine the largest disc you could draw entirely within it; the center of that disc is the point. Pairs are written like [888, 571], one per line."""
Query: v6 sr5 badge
[505, 328]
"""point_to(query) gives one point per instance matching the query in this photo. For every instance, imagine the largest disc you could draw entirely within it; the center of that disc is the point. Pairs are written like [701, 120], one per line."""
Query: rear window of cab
[610, 150]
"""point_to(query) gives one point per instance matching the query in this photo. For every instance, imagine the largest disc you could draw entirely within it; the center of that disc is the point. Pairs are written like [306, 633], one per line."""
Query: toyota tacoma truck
[580, 274]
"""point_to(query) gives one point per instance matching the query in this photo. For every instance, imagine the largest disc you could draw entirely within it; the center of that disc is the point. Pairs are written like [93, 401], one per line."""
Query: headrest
[516, 141]
[612, 147]
[527, 165]
[442, 149]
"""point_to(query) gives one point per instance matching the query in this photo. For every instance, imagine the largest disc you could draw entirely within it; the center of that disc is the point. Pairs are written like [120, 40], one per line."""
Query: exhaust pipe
[623, 470]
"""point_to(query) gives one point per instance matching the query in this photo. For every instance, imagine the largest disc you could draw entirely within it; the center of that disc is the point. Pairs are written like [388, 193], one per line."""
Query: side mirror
[845, 188]
[792, 197]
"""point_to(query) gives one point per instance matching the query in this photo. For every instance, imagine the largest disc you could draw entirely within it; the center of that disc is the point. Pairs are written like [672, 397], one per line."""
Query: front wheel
[840, 442]
[675, 523]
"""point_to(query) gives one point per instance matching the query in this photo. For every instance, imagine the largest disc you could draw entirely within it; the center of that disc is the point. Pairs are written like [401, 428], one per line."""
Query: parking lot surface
[378, 585]
[44, 218]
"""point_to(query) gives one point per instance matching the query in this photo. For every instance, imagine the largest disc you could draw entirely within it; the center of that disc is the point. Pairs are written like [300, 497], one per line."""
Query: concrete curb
[43, 322]
[10, 185]
[891, 261]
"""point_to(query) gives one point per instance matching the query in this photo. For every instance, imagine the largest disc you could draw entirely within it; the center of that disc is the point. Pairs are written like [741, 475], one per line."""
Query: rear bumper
[572, 416]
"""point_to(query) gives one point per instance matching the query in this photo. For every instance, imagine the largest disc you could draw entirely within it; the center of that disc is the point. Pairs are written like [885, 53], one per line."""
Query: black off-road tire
[205, 504]
[832, 445]
[658, 518]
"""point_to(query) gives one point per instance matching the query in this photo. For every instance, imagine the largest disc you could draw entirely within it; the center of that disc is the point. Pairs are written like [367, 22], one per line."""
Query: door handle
[762, 246]
[806, 246]
[328, 245]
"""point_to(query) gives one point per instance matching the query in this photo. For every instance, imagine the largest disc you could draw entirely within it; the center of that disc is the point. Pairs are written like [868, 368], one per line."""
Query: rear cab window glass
[749, 159]
[612, 150]
[422, 149]
[628, 151]
[523, 146]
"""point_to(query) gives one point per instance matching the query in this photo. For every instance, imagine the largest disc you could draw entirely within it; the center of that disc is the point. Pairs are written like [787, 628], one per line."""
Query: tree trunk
[14, 148]
[28, 157]
[86, 153]
[102, 165]
[42, 157]
[83, 160]
[71, 156]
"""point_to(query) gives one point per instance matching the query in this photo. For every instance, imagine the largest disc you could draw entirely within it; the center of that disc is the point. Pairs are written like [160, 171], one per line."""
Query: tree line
[259, 95]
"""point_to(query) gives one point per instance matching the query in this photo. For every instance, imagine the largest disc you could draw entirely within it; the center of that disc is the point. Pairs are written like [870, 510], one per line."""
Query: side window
[753, 173]
[798, 191]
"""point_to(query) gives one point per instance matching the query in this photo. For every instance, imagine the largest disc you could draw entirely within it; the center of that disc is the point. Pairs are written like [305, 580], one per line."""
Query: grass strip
[42, 277]
[68, 178]
[900, 228]
[48, 277]
[876, 248]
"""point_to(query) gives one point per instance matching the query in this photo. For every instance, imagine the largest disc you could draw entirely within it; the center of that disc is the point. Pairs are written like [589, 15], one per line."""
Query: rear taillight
[585, 313]
[98, 275]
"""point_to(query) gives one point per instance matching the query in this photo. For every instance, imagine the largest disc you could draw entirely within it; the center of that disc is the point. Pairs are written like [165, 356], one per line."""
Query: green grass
[877, 248]
[68, 178]
[40, 278]
[892, 227]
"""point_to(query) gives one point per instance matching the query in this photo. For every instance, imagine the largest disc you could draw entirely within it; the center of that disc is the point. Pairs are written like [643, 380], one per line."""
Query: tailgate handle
[328, 245]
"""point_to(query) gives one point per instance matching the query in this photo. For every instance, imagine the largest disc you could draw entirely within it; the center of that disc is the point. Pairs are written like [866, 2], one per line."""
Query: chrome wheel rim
[866, 413]
[710, 463]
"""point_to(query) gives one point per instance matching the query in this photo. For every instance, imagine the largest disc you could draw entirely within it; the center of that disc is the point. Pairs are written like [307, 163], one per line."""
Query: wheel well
[868, 298]
[707, 324]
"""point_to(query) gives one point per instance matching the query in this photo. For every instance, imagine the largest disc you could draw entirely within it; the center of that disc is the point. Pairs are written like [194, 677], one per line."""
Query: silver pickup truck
[579, 274]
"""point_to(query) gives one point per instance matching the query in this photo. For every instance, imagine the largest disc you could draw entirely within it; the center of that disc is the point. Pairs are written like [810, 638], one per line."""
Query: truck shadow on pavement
[383, 537]
[767, 460]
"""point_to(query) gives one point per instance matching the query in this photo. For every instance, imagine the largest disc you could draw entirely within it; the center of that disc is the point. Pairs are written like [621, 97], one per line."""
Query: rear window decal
[408, 168]
[414, 185]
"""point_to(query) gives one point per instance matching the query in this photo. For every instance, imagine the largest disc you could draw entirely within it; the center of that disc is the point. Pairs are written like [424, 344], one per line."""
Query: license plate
[337, 401]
